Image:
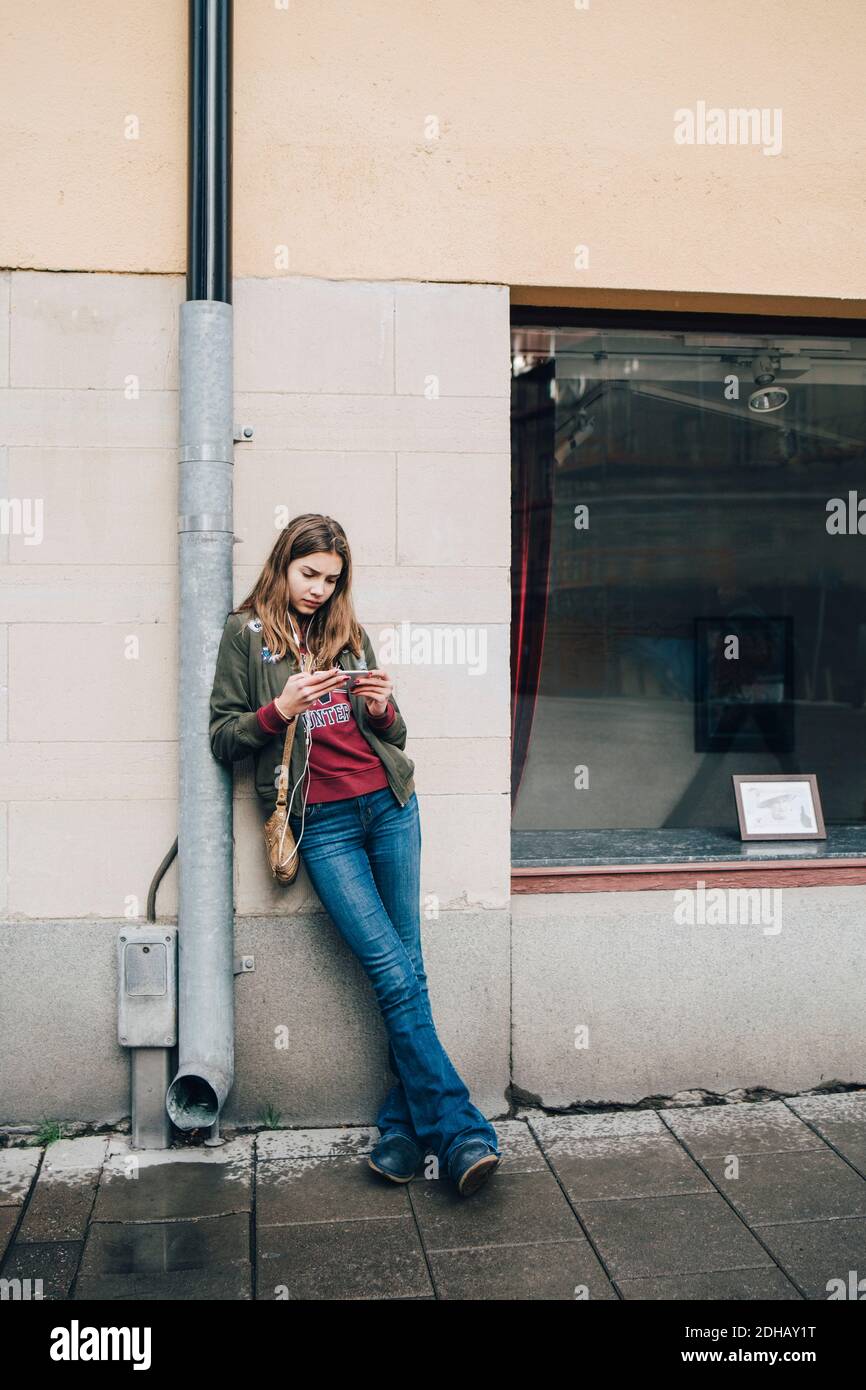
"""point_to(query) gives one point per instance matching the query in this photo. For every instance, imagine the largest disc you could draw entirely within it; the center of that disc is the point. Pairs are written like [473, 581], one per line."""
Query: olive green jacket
[245, 680]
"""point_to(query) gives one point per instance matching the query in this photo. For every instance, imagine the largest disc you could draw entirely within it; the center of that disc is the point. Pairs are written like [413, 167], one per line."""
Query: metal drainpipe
[205, 538]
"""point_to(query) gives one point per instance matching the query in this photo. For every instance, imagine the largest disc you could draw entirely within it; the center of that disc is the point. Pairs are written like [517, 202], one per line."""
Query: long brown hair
[331, 627]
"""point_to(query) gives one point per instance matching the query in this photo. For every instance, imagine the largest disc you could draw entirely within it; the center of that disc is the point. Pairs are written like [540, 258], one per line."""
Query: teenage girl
[355, 818]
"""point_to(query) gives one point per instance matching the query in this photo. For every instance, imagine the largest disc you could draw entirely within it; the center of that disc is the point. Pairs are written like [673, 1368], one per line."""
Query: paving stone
[8, 1218]
[324, 1189]
[69, 1158]
[316, 1143]
[814, 1252]
[637, 1166]
[160, 1184]
[58, 1212]
[764, 1127]
[165, 1247]
[227, 1283]
[853, 1151]
[670, 1235]
[17, 1171]
[562, 1270]
[799, 1186]
[372, 1259]
[234, 1153]
[62, 1198]
[54, 1262]
[851, 1148]
[716, 1286]
[844, 1107]
[565, 1134]
[511, 1208]
[519, 1148]
[841, 1120]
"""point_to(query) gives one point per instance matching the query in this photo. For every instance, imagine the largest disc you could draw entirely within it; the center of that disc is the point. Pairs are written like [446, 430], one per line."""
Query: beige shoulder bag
[283, 853]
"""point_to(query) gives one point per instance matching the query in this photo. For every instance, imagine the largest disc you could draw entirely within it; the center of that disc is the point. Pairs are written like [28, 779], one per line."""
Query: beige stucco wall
[87, 752]
[555, 129]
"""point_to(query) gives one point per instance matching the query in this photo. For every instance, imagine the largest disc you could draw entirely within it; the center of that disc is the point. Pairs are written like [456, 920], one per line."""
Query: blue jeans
[363, 857]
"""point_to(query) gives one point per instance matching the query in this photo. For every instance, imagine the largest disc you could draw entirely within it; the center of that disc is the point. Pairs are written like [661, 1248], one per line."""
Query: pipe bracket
[206, 521]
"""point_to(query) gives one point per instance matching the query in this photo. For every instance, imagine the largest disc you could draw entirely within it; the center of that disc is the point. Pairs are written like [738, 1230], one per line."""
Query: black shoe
[471, 1164]
[396, 1157]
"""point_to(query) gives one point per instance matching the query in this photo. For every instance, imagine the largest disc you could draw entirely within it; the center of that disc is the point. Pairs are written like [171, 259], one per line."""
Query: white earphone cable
[308, 743]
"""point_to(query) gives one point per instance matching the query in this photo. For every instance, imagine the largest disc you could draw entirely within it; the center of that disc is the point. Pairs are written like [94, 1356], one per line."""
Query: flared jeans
[363, 857]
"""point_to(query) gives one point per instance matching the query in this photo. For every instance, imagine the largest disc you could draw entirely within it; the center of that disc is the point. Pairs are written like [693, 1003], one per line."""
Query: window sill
[592, 861]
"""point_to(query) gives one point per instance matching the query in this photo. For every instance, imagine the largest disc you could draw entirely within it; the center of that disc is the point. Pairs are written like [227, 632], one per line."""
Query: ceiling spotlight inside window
[768, 396]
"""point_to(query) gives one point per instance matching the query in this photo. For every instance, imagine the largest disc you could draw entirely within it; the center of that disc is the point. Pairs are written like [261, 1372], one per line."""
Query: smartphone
[353, 677]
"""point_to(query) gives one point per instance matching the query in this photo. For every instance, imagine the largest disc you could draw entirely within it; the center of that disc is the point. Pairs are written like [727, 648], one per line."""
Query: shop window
[676, 484]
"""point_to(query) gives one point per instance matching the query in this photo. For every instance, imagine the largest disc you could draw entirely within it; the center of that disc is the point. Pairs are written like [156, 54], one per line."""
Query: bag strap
[255, 648]
[283, 784]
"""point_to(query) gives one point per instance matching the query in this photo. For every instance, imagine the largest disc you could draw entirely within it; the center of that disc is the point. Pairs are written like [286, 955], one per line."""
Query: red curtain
[533, 421]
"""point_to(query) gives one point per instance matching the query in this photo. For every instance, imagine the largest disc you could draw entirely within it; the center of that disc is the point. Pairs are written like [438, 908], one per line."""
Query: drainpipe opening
[192, 1102]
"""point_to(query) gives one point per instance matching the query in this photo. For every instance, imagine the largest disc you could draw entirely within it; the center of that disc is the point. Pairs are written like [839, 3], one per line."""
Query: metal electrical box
[147, 987]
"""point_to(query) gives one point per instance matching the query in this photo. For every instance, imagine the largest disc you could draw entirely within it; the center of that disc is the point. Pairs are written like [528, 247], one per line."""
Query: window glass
[689, 567]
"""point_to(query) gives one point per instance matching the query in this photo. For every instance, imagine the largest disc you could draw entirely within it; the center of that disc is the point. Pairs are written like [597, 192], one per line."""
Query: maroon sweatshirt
[342, 763]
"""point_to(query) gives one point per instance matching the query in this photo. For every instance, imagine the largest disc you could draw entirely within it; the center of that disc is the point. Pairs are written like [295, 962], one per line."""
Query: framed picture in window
[744, 684]
[779, 806]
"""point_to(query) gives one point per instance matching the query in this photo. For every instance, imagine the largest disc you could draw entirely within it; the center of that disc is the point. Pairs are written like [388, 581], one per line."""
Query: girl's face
[312, 580]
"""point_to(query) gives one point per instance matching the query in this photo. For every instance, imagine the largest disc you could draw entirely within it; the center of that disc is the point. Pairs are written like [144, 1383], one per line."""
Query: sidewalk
[761, 1201]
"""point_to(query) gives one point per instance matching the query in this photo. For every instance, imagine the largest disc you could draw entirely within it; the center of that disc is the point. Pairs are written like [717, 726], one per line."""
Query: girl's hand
[375, 687]
[301, 690]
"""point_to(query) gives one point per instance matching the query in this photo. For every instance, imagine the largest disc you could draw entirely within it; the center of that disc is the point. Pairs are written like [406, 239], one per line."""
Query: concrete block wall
[615, 999]
[385, 405]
